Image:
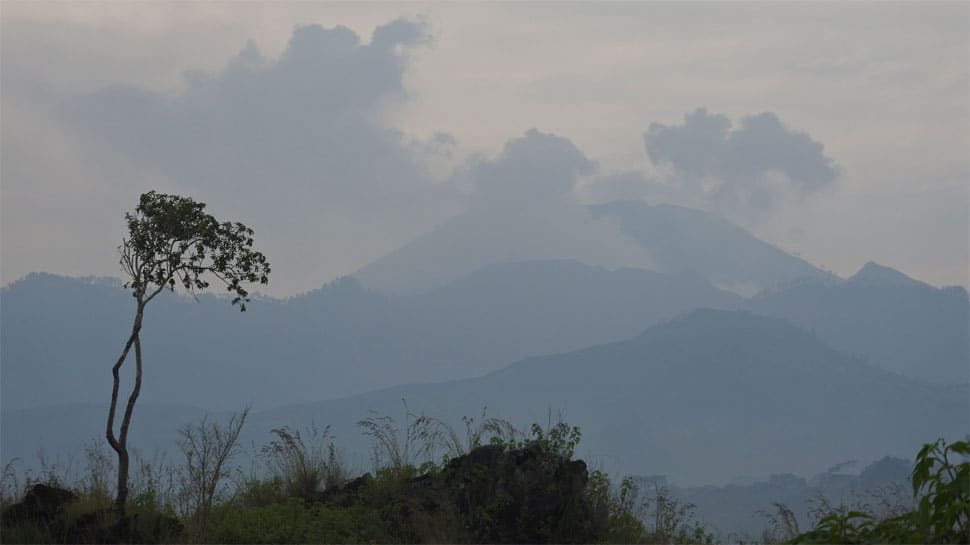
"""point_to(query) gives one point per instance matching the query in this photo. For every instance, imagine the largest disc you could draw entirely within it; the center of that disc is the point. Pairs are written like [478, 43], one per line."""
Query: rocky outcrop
[526, 495]
[491, 495]
[42, 504]
[42, 514]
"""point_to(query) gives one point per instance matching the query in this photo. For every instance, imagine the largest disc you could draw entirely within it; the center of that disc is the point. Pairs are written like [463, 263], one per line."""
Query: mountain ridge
[779, 401]
[342, 338]
[900, 323]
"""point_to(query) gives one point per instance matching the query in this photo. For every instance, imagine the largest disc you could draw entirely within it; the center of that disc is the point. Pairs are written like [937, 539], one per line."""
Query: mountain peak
[873, 274]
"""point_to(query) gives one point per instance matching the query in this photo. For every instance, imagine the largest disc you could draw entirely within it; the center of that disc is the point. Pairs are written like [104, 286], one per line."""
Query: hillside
[702, 399]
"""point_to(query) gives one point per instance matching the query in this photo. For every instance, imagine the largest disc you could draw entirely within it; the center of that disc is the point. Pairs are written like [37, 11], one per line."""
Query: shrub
[304, 463]
[208, 449]
[397, 449]
[293, 521]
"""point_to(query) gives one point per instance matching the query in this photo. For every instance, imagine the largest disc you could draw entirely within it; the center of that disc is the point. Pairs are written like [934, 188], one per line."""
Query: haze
[342, 142]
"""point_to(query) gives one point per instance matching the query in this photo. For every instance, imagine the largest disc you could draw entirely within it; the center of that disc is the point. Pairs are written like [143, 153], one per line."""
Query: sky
[339, 132]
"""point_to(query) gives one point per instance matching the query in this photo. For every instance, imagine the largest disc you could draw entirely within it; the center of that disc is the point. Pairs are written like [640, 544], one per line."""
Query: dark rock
[527, 495]
[490, 495]
[42, 504]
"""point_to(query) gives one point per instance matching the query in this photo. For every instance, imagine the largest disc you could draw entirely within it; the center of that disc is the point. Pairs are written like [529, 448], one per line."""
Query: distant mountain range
[59, 336]
[896, 322]
[703, 398]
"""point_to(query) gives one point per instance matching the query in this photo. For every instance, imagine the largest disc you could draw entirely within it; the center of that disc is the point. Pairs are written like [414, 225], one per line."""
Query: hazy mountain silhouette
[671, 239]
[874, 275]
[899, 323]
[703, 398]
[554, 229]
[61, 335]
[685, 240]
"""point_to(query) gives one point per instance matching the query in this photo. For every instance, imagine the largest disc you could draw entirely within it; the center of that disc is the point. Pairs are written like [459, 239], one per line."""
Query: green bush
[293, 521]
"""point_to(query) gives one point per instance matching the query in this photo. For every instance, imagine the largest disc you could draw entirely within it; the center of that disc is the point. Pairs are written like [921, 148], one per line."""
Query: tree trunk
[121, 500]
[120, 443]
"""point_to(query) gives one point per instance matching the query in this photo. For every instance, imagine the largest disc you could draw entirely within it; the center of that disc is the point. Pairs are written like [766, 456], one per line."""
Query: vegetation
[941, 488]
[303, 463]
[172, 240]
[208, 450]
[504, 486]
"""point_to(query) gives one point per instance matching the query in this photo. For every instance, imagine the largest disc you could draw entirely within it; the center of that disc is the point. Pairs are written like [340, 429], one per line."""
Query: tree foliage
[172, 240]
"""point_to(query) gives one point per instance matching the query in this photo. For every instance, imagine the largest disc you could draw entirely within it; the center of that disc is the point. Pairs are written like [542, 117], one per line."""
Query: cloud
[295, 146]
[525, 206]
[747, 166]
[616, 186]
[534, 167]
[309, 118]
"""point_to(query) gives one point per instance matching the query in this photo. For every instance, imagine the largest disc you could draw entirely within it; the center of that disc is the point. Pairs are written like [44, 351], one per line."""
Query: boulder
[525, 495]
[41, 504]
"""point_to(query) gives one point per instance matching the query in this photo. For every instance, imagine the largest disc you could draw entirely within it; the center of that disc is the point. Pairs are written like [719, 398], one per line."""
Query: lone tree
[171, 240]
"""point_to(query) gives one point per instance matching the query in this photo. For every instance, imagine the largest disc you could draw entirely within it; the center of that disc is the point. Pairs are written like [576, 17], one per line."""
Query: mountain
[874, 275]
[899, 323]
[59, 336]
[555, 230]
[685, 240]
[703, 398]
[666, 238]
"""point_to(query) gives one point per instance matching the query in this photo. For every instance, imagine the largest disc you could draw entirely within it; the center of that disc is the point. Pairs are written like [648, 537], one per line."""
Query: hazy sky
[341, 131]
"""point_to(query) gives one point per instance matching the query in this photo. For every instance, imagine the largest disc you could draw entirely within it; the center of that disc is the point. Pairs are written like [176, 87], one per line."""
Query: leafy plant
[845, 527]
[558, 438]
[943, 489]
